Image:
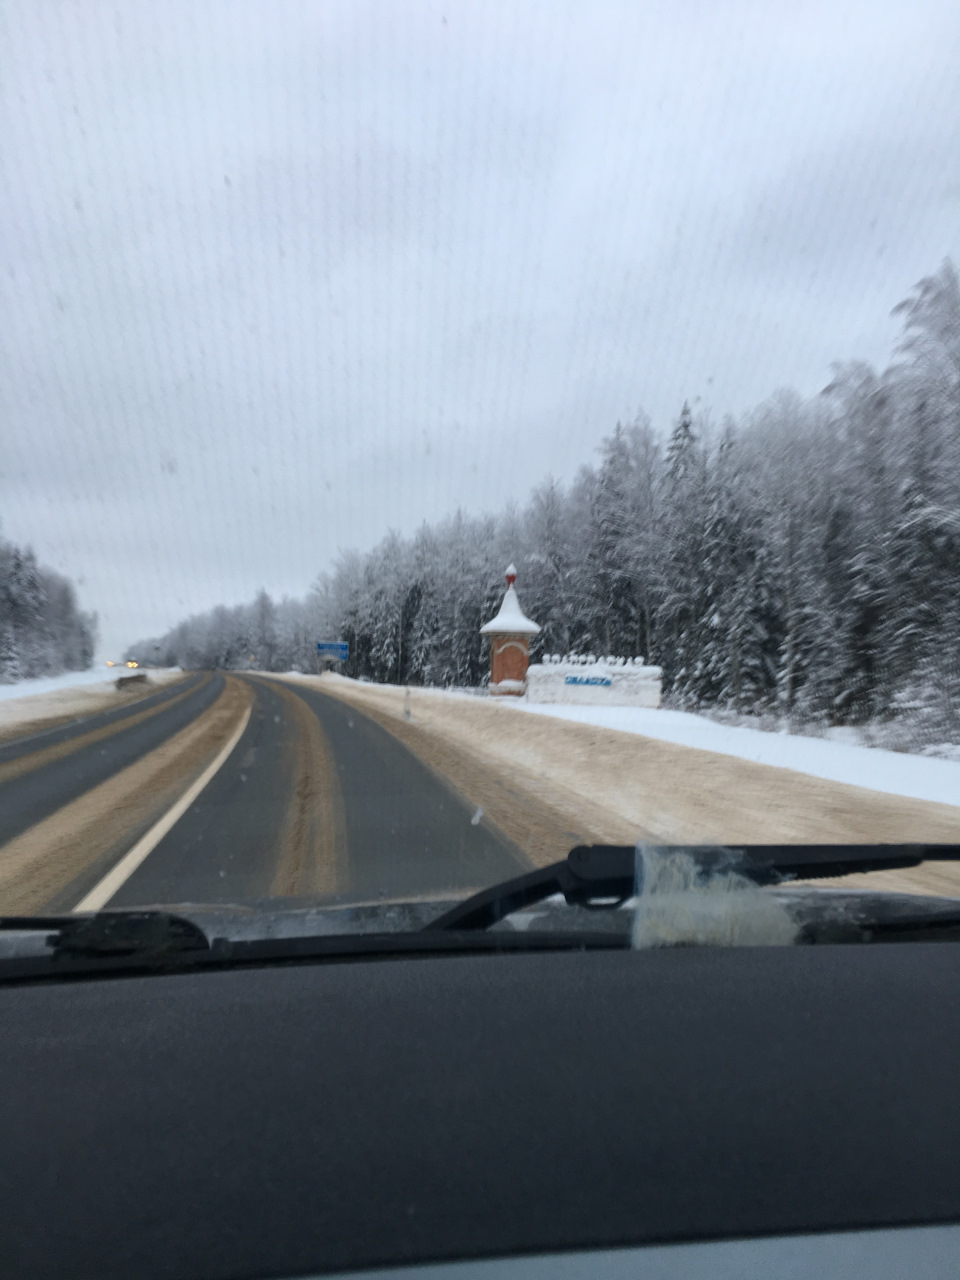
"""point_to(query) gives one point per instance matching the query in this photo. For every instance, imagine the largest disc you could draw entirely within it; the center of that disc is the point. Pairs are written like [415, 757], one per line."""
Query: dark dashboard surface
[301, 1119]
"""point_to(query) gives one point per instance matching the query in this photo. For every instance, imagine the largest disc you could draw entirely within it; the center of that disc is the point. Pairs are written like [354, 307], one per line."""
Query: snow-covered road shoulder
[892, 772]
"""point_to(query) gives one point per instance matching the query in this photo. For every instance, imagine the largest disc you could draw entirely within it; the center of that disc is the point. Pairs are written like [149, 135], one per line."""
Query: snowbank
[916, 777]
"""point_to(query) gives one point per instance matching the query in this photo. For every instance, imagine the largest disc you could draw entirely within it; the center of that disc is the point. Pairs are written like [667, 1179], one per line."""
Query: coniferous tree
[809, 561]
[42, 630]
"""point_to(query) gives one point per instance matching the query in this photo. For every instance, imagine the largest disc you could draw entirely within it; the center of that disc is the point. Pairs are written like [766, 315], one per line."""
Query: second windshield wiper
[151, 941]
[606, 875]
[147, 934]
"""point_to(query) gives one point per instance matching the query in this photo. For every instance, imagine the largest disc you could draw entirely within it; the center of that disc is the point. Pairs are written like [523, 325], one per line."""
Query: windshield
[437, 438]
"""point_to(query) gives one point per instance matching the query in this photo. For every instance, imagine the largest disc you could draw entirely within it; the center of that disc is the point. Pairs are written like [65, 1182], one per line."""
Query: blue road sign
[338, 649]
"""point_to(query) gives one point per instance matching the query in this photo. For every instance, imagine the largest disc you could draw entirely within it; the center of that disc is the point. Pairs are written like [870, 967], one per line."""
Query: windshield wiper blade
[223, 953]
[607, 875]
[588, 874]
[148, 935]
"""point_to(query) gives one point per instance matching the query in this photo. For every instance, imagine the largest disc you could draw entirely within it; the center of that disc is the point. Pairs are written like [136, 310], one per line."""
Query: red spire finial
[511, 575]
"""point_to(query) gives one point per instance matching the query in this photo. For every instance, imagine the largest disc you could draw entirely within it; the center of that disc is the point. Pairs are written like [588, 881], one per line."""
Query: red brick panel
[509, 658]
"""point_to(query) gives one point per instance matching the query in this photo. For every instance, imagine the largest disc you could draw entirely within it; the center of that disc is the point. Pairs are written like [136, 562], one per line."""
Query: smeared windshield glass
[435, 439]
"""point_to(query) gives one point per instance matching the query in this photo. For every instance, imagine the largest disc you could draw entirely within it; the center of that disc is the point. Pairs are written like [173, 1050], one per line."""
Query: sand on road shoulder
[312, 847]
[606, 785]
[541, 819]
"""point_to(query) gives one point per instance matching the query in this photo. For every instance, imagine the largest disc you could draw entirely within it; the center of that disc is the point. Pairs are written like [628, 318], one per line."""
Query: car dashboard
[318, 1118]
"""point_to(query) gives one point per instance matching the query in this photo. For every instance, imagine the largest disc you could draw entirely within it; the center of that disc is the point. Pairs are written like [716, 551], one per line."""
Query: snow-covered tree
[42, 630]
[807, 559]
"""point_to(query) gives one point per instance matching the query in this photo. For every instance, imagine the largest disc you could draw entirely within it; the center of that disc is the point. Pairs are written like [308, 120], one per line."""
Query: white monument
[586, 680]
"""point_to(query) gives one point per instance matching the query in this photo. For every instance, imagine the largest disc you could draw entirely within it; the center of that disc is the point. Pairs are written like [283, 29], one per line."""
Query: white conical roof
[511, 620]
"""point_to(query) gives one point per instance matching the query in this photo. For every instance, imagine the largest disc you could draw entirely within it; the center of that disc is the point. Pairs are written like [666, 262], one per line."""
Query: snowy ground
[894, 772]
[832, 758]
[900, 734]
[29, 703]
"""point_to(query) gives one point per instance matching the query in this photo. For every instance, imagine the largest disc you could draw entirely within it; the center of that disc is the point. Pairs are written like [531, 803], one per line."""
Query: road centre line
[101, 893]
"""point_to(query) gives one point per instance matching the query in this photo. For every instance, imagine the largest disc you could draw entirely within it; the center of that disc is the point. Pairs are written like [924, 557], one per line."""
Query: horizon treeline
[803, 560]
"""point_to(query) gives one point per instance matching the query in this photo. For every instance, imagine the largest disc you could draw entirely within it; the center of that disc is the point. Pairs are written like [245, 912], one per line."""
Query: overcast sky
[278, 277]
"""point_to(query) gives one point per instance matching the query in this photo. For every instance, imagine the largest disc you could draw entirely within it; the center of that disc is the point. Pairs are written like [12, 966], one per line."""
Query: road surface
[314, 798]
[51, 768]
[227, 788]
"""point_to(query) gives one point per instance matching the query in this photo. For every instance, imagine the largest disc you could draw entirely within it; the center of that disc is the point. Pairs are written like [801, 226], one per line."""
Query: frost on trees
[803, 562]
[42, 631]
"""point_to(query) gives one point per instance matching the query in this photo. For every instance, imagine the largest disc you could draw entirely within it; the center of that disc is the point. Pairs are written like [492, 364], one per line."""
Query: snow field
[892, 772]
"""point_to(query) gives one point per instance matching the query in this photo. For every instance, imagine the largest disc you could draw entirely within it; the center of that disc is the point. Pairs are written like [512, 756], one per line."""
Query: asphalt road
[29, 744]
[388, 826]
[45, 771]
[315, 799]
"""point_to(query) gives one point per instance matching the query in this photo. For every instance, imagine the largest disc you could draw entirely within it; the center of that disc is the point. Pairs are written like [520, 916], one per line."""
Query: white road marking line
[101, 893]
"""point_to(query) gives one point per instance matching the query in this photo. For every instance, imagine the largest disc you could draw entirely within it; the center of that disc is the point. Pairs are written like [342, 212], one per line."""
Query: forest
[43, 632]
[804, 560]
